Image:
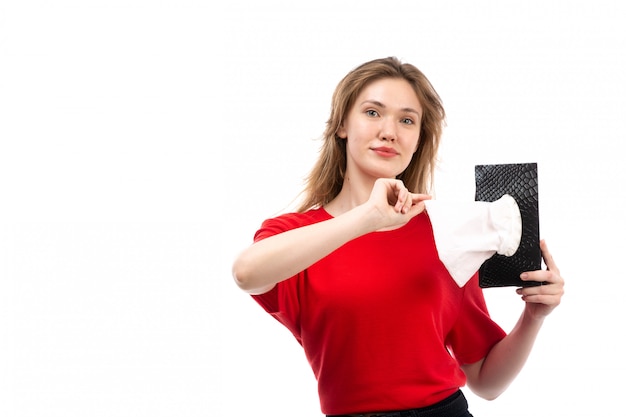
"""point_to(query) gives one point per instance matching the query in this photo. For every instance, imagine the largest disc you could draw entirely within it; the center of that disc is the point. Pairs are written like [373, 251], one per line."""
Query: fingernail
[524, 275]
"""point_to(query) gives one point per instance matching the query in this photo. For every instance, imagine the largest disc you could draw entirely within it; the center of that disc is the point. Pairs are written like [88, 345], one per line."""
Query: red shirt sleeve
[474, 332]
[282, 301]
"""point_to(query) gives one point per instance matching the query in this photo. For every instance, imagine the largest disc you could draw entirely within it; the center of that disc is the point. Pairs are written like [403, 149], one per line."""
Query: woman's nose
[388, 130]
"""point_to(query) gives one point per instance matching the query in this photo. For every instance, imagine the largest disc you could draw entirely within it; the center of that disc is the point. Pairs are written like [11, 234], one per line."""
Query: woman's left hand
[542, 299]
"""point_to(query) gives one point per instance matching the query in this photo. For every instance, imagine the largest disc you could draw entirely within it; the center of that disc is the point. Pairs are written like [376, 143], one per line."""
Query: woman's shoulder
[289, 221]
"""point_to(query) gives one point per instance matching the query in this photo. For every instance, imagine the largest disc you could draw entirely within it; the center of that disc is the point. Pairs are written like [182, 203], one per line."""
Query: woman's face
[382, 130]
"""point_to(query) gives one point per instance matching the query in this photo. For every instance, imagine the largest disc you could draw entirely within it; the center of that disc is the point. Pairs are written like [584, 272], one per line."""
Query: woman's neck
[353, 193]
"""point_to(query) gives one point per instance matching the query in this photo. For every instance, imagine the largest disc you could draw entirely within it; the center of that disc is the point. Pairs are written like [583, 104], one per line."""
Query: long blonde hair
[325, 180]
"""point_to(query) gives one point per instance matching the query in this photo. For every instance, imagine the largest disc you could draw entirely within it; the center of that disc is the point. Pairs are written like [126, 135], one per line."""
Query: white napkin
[469, 233]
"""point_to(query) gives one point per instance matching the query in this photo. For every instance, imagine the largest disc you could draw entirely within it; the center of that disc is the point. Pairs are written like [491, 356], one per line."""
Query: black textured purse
[520, 182]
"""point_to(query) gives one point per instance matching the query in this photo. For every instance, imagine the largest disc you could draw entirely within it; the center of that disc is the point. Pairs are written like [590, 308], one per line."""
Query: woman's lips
[385, 152]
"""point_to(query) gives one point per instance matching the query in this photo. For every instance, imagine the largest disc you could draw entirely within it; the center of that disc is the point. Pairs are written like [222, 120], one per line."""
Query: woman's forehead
[390, 92]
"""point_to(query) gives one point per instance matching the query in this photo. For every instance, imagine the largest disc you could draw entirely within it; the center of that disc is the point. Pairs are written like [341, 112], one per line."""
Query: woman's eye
[372, 113]
[407, 121]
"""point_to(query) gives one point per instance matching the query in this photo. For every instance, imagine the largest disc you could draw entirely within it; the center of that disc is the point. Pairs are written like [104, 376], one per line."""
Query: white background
[143, 142]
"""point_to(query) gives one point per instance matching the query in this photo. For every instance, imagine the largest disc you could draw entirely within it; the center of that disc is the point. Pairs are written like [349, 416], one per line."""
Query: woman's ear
[341, 132]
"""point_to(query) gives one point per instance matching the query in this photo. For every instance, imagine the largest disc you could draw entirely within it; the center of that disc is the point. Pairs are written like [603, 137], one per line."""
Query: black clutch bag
[520, 182]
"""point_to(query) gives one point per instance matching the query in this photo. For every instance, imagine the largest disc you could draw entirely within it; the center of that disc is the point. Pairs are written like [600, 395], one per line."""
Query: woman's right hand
[395, 204]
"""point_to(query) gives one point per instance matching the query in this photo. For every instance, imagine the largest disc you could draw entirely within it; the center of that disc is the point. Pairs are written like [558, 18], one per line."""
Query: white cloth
[469, 233]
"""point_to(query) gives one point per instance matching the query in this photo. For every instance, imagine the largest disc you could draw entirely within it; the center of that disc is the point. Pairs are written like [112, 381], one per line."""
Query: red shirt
[382, 323]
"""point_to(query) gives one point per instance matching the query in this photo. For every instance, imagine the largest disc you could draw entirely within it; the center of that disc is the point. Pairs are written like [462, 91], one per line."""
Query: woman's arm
[490, 376]
[263, 264]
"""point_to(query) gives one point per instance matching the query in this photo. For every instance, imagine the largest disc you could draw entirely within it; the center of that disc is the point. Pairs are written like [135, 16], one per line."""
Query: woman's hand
[542, 299]
[395, 203]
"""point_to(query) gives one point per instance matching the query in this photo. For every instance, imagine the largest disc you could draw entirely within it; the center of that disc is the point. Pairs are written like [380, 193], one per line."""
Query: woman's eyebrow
[381, 105]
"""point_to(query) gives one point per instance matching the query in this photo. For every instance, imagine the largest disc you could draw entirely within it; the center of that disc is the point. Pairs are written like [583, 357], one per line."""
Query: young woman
[355, 276]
